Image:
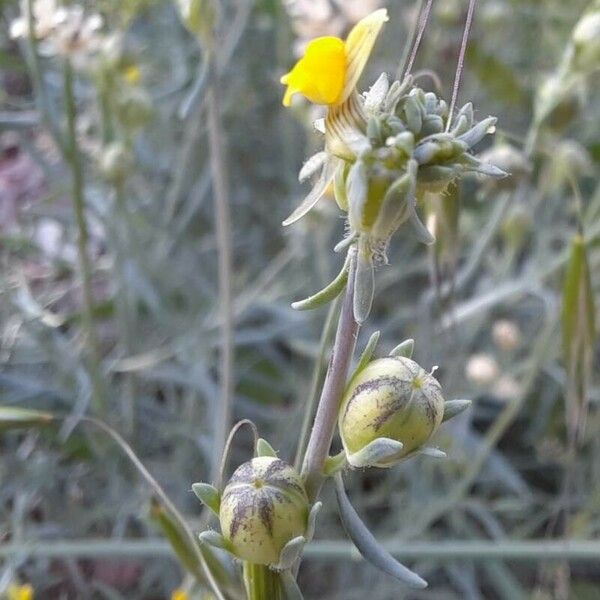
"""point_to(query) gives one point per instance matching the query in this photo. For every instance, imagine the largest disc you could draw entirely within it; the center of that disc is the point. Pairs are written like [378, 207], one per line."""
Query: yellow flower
[19, 592]
[132, 74]
[179, 594]
[330, 69]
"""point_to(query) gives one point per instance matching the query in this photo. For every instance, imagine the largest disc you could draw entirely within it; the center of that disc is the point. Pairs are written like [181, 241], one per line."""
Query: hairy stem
[73, 156]
[323, 429]
[224, 245]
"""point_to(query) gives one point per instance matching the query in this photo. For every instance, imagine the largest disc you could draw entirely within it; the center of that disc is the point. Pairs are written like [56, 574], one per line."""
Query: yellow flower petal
[319, 74]
[20, 592]
[331, 68]
[179, 594]
[359, 46]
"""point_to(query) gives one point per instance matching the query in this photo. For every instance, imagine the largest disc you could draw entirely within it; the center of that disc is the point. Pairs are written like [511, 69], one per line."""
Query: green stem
[261, 582]
[73, 156]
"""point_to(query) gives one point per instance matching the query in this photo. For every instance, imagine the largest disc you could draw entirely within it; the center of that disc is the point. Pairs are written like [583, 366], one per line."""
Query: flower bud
[394, 405]
[263, 507]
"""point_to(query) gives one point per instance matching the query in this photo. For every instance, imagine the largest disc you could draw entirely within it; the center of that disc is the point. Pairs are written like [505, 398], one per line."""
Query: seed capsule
[263, 507]
[392, 400]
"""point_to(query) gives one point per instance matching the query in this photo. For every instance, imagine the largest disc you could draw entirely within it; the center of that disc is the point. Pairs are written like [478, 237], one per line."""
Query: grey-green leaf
[263, 448]
[366, 356]
[366, 543]
[454, 407]
[290, 587]
[404, 349]
[208, 495]
[381, 452]
[327, 294]
[364, 285]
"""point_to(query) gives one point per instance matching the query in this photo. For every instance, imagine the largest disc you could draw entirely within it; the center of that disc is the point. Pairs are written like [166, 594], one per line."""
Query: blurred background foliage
[484, 303]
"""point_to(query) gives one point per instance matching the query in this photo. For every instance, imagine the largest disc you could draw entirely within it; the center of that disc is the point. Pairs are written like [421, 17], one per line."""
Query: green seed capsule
[391, 398]
[263, 507]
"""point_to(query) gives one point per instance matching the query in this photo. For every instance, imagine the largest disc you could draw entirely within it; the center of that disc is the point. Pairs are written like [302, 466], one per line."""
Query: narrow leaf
[405, 348]
[366, 356]
[366, 543]
[578, 333]
[312, 165]
[326, 177]
[433, 452]
[263, 448]
[22, 418]
[290, 553]
[312, 520]
[454, 407]
[327, 294]
[290, 587]
[208, 495]
[214, 539]
[381, 452]
[423, 234]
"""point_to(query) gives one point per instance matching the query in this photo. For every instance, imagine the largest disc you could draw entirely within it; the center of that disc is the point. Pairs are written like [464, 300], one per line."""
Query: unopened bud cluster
[408, 148]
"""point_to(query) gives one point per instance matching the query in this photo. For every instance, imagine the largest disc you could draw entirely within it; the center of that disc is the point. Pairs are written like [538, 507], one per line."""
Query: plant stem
[84, 263]
[324, 424]
[223, 232]
[261, 582]
[37, 79]
[317, 378]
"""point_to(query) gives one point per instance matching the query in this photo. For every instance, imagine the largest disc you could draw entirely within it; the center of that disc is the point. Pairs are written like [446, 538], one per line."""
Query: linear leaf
[366, 543]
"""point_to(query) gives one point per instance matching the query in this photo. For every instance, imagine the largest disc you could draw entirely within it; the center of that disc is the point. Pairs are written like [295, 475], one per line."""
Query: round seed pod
[391, 398]
[263, 506]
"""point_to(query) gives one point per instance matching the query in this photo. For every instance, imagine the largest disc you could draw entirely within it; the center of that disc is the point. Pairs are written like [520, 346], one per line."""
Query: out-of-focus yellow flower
[331, 68]
[19, 592]
[132, 74]
[179, 594]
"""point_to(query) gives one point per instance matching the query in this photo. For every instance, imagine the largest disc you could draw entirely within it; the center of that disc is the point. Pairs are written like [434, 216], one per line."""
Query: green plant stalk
[84, 263]
[261, 582]
[325, 421]
[224, 245]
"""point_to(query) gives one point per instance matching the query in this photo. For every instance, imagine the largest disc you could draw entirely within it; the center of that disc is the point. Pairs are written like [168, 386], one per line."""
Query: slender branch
[224, 245]
[423, 19]
[73, 156]
[324, 424]
[461, 60]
